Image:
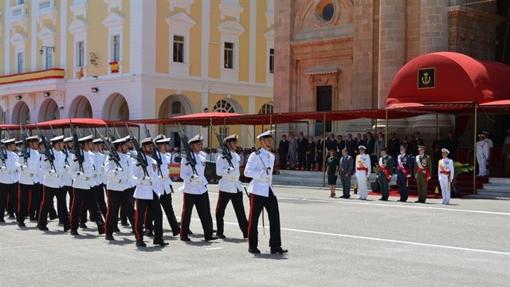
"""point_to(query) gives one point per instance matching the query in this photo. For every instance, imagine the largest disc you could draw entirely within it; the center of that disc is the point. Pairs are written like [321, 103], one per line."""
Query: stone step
[499, 181]
[483, 194]
[497, 188]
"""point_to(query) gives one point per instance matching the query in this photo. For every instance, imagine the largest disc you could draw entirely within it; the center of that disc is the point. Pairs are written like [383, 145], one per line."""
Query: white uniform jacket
[145, 185]
[52, 178]
[119, 178]
[165, 168]
[194, 184]
[29, 172]
[260, 168]
[229, 181]
[85, 179]
[9, 172]
[99, 161]
[446, 169]
[67, 178]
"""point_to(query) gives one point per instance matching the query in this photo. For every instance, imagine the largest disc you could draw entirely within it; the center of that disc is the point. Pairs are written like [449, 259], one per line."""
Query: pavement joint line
[398, 205]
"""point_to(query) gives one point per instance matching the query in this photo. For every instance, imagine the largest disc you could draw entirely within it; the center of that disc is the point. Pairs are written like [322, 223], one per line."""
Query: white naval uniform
[29, 172]
[9, 172]
[482, 155]
[260, 168]
[84, 179]
[165, 169]
[229, 181]
[145, 185]
[445, 172]
[99, 161]
[119, 178]
[194, 184]
[363, 169]
[67, 176]
[52, 178]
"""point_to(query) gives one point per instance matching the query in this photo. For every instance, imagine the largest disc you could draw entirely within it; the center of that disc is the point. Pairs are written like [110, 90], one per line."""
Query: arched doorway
[172, 106]
[80, 108]
[49, 111]
[116, 108]
[21, 114]
[227, 106]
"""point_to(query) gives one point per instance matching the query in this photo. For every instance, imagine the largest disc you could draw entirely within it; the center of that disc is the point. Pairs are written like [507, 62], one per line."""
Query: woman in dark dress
[332, 170]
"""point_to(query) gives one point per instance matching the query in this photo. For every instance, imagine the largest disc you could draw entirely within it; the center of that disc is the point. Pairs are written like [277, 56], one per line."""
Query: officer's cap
[230, 138]
[121, 140]
[266, 134]
[86, 139]
[197, 138]
[9, 141]
[56, 139]
[146, 141]
[98, 141]
[362, 147]
[33, 138]
[68, 139]
[421, 147]
[445, 150]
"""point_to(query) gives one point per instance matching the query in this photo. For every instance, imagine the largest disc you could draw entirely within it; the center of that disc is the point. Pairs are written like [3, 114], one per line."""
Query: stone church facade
[343, 54]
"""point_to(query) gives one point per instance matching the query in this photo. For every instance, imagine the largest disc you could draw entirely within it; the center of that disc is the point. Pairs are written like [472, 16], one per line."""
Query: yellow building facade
[132, 59]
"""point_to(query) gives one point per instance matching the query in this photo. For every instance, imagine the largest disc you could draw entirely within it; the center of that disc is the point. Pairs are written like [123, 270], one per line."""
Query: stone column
[433, 26]
[283, 57]
[392, 35]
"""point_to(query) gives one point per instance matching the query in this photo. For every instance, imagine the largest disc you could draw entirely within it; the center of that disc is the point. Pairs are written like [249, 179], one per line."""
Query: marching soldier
[446, 172]
[195, 190]
[147, 196]
[384, 174]
[52, 183]
[9, 176]
[29, 178]
[260, 168]
[84, 180]
[363, 169]
[118, 183]
[404, 168]
[422, 173]
[230, 188]
[99, 160]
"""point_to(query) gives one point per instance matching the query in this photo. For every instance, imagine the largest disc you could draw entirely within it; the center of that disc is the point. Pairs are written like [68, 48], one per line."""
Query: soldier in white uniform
[118, 182]
[445, 173]
[52, 174]
[99, 160]
[29, 178]
[195, 190]
[363, 169]
[260, 167]
[84, 179]
[482, 154]
[9, 176]
[147, 194]
[230, 188]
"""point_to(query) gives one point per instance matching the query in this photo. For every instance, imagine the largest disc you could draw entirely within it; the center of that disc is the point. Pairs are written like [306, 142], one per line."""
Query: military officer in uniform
[29, 179]
[118, 181]
[384, 174]
[422, 173]
[260, 168]
[195, 191]
[482, 154]
[99, 160]
[446, 172]
[9, 176]
[52, 185]
[363, 169]
[404, 169]
[84, 180]
[147, 196]
[230, 188]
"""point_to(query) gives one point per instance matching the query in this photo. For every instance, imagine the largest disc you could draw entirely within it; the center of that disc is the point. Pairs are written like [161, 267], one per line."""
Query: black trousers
[257, 204]
[84, 199]
[237, 202]
[346, 185]
[127, 205]
[7, 193]
[310, 163]
[402, 186]
[142, 206]
[302, 160]
[166, 203]
[116, 199]
[101, 201]
[201, 202]
[23, 201]
[34, 200]
[47, 201]
[283, 161]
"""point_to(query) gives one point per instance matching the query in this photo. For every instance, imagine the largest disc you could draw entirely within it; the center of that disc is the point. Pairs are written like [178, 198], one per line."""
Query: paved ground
[332, 242]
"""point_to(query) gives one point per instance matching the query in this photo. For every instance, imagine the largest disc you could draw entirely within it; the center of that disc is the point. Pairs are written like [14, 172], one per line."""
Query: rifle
[48, 151]
[25, 152]
[140, 155]
[156, 153]
[225, 151]
[113, 154]
[188, 153]
[78, 152]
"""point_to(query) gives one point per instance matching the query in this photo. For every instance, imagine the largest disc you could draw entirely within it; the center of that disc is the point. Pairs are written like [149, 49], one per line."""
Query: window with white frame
[48, 58]
[19, 2]
[271, 61]
[20, 62]
[115, 48]
[228, 55]
[80, 53]
[178, 49]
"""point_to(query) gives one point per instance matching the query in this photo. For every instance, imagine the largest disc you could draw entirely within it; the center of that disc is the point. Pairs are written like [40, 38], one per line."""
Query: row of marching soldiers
[136, 179]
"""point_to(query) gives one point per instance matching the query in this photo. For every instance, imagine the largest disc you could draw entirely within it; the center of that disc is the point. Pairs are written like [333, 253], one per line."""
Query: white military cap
[362, 147]
[163, 140]
[197, 138]
[57, 139]
[18, 142]
[265, 134]
[33, 138]
[445, 150]
[159, 137]
[146, 140]
[232, 137]
[9, 141]
[121, 140]
[98, 141]
[68, 139]
[86, 139]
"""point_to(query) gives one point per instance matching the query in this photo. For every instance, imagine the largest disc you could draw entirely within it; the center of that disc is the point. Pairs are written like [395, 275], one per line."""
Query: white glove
[230, 169]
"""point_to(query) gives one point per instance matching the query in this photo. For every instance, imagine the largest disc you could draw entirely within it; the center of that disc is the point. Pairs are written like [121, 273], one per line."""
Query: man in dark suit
[340, 143]
[310, 154]
[350, 144]
[404, 171]
[331, 142]
[345, 172]
[283, 151]
[302, 147]
[320, 152]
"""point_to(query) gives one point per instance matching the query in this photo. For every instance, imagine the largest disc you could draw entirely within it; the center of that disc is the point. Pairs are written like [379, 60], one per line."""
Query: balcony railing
[32, 76]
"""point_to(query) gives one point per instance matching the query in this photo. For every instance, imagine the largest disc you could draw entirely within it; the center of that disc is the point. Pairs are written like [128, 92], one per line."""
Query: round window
[328, 11]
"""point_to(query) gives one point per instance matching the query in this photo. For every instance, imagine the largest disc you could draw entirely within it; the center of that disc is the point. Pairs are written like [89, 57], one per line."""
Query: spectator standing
[283, 151]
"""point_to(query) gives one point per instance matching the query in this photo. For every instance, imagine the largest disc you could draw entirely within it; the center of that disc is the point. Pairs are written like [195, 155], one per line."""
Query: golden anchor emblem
[425, 79]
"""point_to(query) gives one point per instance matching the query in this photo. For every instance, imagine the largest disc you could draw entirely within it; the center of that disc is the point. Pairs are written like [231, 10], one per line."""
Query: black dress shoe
[21, 224]
[83, 226]
[124, 223]
[32, 219]
[109, 238]
[189, 232]
[116, 229]
[74, 232]
[100, 230]
[42, 228]
[160, 242]
[148, 233]
[211, 238]
[279, 251]
[186, 239]
[176, 232]
[2, 221]
[140, 243]
[382, 199]
[53, 216]
[221, 236]
[254, 251]
[66, 228]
